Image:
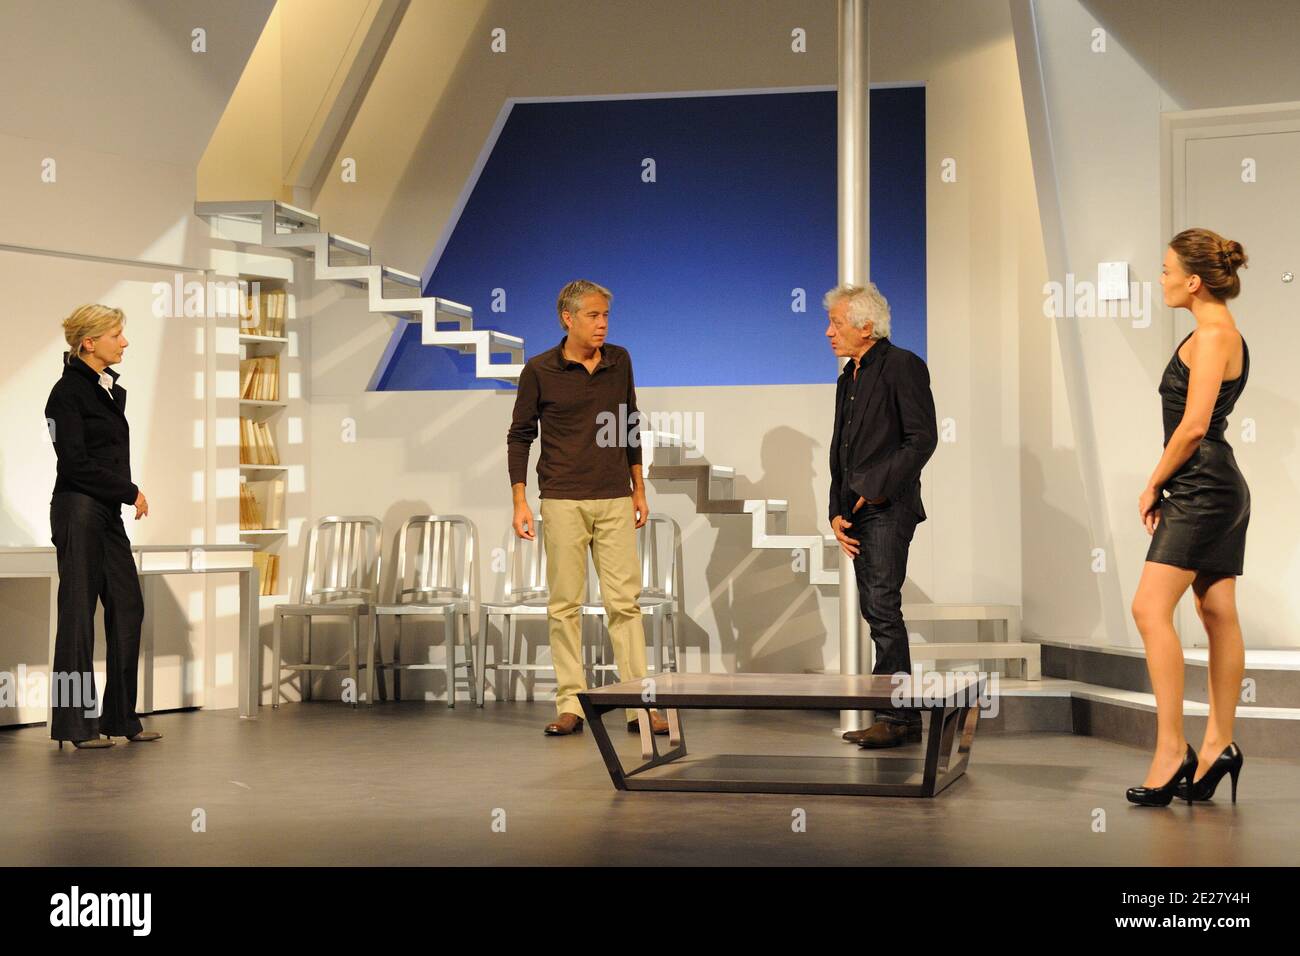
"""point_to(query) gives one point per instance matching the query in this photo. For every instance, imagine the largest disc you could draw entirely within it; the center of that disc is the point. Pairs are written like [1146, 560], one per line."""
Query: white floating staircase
[274, 224]
[662, 455]
[283, 226]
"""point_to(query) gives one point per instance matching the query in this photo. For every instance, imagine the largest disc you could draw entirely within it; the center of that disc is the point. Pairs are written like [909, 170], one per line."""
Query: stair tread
[1064, 687]
[1257, 658]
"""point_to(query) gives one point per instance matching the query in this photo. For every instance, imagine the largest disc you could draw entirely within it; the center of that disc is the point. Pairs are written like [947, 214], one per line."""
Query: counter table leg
[54, 635]
[250, 644]
[144, 678]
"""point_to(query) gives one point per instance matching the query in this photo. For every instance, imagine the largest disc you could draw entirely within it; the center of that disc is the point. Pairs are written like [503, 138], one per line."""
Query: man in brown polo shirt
[593, 494]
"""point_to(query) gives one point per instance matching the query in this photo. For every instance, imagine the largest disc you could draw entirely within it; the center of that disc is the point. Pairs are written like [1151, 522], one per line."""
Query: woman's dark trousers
[95, 564]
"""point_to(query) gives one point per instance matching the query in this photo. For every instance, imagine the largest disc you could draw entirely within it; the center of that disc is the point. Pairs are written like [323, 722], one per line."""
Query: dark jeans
[884, 533]
[95, 563]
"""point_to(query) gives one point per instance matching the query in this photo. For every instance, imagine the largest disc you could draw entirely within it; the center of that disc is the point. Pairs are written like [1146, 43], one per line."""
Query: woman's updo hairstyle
[89, 321]
[1216, 260]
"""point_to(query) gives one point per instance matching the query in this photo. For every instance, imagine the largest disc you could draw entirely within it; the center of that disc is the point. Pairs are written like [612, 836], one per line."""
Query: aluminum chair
[436, 577]
[659, 594]
[526, 595]
[340, 578]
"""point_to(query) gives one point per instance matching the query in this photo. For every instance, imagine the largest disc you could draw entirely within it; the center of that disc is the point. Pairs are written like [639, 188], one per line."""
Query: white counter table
[151, 562]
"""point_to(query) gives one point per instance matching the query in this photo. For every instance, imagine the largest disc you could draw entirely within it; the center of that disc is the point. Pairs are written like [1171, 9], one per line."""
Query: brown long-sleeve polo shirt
[590, 425]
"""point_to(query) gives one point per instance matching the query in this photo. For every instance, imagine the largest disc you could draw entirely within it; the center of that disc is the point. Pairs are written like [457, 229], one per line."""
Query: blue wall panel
[702, 262]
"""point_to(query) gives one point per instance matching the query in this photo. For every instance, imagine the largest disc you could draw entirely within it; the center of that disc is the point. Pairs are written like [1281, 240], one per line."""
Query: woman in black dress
[1196, 508]
[86, 416]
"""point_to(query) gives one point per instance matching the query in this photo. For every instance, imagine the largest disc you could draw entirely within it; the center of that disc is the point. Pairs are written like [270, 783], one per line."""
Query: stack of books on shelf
[259, 378]
[265, 310]
[268, 566]
[261, 505]
[250, 513]
[256, 443]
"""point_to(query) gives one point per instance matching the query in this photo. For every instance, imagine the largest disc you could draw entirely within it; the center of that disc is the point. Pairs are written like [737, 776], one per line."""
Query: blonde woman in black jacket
[86, 416]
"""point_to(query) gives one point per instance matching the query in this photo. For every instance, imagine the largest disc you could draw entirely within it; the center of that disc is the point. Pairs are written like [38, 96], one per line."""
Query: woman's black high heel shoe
[1160, 796]
[1229, 761]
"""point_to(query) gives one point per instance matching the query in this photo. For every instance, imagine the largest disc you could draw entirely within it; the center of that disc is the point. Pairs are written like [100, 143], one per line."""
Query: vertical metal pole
[854, 266]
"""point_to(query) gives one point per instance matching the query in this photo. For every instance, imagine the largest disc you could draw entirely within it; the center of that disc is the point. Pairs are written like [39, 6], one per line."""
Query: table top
[793, 691]
[150, 559]
[149, 548]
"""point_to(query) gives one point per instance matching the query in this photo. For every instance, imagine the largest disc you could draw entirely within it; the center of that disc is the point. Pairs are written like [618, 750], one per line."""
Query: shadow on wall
[767, 614]
[1056, 548]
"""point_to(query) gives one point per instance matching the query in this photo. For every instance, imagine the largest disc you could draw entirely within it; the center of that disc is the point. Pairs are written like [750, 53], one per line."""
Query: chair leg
[276, 625]
[379, 659]
[600, 657]
[471, 663]
[481, 668]
[304, 685]
[584, 656]
[672, 640]
[657, 635]
[371, 656]
[397, 659]
[352, 659]
[449, 630]
[508, 640]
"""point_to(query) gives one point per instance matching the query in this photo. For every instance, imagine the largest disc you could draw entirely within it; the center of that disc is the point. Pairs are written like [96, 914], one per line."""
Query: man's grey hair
[570, 299]
[866, 304]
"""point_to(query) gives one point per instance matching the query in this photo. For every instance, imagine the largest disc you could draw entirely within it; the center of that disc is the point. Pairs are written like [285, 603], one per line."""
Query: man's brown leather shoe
[565, 725]
[658, 725]
[883, 733]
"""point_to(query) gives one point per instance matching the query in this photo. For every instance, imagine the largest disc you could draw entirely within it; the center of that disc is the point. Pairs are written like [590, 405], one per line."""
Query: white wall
[1105, 110]
[84, 91]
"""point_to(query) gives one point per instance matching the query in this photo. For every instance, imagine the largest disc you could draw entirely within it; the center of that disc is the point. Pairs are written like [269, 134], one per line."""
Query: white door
[1264, 429]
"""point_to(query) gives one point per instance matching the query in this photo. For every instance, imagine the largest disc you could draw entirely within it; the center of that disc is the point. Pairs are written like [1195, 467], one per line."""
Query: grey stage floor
[418, 784]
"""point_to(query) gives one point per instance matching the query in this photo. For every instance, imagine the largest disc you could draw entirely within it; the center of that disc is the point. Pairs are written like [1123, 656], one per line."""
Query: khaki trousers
[608, 527]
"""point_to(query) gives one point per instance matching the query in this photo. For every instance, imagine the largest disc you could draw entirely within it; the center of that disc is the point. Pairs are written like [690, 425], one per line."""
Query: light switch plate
[1112, 281]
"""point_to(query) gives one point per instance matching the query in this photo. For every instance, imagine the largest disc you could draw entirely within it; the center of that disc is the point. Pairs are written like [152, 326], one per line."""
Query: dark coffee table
[954, 711]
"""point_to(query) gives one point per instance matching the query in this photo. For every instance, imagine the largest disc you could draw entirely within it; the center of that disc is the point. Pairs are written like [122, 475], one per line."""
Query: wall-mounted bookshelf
[263, 479]
[237, 263]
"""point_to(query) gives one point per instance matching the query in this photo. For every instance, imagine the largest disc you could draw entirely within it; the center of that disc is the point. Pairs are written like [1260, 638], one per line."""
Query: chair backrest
[650, 549]
[435, 559]
[526, 566]
[341, 560]
[658, 572]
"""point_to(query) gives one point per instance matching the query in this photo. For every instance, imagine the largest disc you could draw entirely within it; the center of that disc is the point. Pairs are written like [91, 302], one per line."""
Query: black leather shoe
[1228, 761]
[884, 733]
[1160, 796]
[146, 735]
[94, 743]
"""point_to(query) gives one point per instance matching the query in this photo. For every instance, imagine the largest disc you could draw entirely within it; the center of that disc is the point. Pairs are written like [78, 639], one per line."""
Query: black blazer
[90, 435]
[893, 435]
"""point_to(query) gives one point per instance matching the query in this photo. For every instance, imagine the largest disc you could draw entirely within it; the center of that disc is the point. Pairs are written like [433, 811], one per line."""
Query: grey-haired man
[884, 434]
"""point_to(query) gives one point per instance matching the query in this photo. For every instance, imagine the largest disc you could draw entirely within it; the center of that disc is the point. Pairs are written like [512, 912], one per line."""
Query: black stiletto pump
[1161, 796]
[1229, 761]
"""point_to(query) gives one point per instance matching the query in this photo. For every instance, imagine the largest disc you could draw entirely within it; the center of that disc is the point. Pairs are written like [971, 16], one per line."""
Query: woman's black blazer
[90, 435]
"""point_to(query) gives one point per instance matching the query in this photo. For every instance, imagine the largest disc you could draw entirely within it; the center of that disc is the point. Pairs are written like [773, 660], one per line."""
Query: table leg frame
[948, 744]
[594, 716]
